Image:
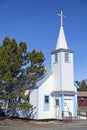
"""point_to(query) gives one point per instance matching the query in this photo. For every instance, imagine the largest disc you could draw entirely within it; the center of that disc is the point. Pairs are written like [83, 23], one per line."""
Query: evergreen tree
[14, 79]
[83, 86]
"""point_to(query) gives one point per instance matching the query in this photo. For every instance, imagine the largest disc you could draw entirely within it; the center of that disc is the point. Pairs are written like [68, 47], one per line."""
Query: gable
[43, 78]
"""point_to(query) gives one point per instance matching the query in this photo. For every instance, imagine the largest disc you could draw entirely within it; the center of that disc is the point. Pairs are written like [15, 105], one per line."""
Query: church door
[57, 108]
[68, 107]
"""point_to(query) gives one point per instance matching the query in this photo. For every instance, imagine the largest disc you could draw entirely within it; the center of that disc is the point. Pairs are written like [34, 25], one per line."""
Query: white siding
[45, 89]
[67, 73]
[62, 78]
[56, 72]
[63, 75]
[33, 101]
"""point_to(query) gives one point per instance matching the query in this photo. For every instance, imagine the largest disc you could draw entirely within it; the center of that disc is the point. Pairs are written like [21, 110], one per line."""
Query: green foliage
[82, 85]
[14, 79]
[35, 69]
[36, 60]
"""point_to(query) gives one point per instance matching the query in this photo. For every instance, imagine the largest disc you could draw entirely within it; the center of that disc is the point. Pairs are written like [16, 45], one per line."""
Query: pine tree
[14, 79]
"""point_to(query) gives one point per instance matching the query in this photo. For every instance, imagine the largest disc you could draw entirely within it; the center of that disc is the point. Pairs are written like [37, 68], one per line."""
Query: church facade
[55, 94]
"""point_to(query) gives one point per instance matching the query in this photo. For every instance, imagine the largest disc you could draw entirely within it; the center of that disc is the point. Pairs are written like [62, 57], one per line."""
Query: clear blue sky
[36, 22]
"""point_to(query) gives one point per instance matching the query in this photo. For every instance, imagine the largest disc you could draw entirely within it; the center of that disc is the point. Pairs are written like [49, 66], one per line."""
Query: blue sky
[36, 22]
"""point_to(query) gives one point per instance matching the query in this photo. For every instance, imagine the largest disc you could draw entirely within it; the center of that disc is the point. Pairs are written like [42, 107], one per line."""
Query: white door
[68, 107]
[57, 105]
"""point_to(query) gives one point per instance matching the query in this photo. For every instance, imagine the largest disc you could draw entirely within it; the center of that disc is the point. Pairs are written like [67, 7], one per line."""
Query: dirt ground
[20, 124]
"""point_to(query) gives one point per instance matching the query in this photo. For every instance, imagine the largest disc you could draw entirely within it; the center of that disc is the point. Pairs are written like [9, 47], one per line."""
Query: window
[56, 57]
[56, 102]
[66, 57]
[46, 103]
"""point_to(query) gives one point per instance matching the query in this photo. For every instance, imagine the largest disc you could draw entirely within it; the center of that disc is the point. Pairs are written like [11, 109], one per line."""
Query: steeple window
[66, 57]
[56, 57]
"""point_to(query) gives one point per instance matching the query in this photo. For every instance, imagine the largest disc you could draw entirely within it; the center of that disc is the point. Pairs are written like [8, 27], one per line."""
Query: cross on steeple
[61, 16]
[61, 42]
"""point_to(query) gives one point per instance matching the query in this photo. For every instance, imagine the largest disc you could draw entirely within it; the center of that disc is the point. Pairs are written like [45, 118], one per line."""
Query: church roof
[61, 50]
[43, 78]
[61, 42]
[46, 75]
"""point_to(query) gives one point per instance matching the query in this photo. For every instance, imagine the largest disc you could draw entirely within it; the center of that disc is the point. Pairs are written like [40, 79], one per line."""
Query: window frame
[56, 57]
[46, 103]
[57, 105]
[66, 57]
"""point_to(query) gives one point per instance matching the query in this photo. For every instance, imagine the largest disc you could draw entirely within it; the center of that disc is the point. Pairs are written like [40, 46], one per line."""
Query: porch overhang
[63, 92]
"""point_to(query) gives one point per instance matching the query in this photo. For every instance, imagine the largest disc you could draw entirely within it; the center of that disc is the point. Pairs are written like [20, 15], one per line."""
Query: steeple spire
[61, 42]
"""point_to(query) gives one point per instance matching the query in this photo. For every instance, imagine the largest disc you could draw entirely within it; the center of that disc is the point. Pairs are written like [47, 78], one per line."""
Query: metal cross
[61, 16]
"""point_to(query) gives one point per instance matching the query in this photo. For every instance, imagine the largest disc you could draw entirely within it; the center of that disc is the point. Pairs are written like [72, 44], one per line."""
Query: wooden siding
[33, 101]
[45, 89]
[63, 74]
[67, 73]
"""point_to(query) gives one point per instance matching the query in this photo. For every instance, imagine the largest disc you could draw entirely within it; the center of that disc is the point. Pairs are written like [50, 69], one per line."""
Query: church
[55, 94]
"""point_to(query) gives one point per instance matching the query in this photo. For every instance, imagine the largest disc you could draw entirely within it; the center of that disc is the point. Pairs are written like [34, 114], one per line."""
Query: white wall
[67, 73]
[56, 73]
[45, 89]
[63, 73]
[33, 101]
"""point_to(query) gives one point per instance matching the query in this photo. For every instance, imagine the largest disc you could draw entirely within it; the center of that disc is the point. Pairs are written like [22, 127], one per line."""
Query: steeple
[61, 42]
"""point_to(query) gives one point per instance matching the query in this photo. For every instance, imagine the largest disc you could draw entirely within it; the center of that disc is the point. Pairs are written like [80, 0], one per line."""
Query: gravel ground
[16, 124]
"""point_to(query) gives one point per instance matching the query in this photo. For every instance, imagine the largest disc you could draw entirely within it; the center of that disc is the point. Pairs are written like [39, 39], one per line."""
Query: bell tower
[62, 63]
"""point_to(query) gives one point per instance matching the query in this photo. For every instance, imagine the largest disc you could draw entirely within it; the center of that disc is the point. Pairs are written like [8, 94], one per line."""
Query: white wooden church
[55, 95]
